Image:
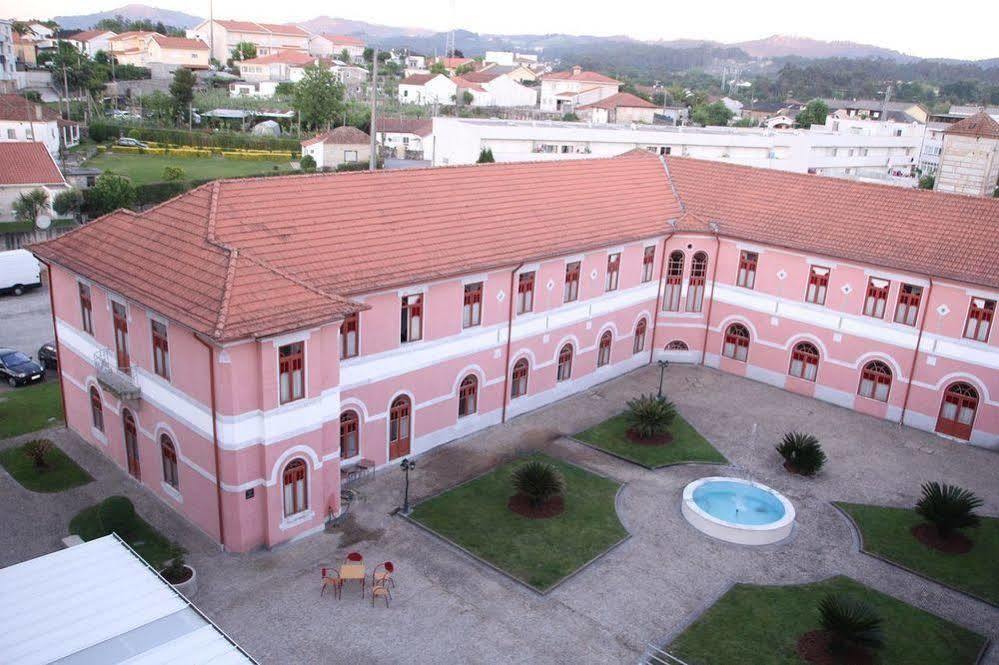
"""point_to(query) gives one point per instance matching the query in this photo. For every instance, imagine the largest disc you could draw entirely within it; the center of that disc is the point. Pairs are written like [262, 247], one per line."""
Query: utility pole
[373, 158]
[884, 104]
[211, 29]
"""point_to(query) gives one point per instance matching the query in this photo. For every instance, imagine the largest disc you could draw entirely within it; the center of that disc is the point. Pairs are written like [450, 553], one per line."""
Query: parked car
[18, 369]
[132, 143]
[47, 356]
[124, 115]
[19, 271]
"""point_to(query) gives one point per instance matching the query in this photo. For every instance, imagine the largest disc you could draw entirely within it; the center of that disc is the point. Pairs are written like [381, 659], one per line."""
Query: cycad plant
[802, 452]
[948, 507]
[649, 416]
[850, 623]
[538, 481]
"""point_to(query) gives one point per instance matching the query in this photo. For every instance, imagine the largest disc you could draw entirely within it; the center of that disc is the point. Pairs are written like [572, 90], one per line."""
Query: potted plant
[802, 453]
[649, 418]
[851, 630]
[539, 490]
[946, 508]
[179, 574]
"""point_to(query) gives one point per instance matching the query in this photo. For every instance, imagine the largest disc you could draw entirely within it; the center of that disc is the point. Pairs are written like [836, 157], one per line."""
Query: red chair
[330, 577]
[355, 557]
[382, 574]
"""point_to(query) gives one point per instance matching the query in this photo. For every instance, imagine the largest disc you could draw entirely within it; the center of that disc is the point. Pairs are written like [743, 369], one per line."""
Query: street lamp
[663, 364]
[407, 466]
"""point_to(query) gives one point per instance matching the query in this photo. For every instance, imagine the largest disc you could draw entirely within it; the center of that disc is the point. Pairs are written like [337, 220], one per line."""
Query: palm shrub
[174, 571]
[37, 450]
[650, 416]
[948, 507]
[850, 623]
[802, 452]
[538, 481]
[117, 514]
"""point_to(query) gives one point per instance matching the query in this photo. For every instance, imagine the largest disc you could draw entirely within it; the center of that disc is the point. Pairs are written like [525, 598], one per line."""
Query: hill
[343, 26]
[132, 13]
[778, 46]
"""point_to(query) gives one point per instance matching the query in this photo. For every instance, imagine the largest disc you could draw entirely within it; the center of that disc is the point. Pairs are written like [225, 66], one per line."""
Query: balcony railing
[119, 380]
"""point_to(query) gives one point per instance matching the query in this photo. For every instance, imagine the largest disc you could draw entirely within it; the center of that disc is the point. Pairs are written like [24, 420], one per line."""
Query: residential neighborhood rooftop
[20, 109]
[28, 163]
[625, 99]
[263, 28]
[579, 74]
[980, 125]
[418, 126]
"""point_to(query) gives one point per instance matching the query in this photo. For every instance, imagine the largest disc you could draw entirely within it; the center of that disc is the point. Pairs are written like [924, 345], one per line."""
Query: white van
[19, 271]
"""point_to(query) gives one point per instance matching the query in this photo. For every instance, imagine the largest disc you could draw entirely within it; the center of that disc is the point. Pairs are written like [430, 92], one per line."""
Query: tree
[814, 113]
[171, 173]
[68, 202]
[318, 98]
[711, 114]
[158, 104]
[486, 156]
[244, 51]
[30, 205]
[307, 163]
[464, 69]
[467, 98]
[284, 89]
[345, 56]
[438, 68]
[570, 117]
[110, 192]
[927, 182]
[182, 90]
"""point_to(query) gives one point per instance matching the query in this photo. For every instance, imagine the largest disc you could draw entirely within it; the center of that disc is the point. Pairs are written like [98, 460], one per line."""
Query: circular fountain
[738, 511]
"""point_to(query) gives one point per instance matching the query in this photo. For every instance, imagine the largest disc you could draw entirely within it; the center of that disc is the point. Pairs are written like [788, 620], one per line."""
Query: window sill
[172, 492]
[98, 435]
[296, 520]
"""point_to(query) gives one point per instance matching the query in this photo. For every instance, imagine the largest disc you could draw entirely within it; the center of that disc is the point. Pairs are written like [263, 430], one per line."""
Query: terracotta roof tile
[18, 108]
[621, 99]
[980, 125]
[418, 79]
[87, 35]
[418, 126]
[464, 83]
[180, 43]
[263, 28]
[345, 135]
[27, 163]
[344, 39]
[581, 75]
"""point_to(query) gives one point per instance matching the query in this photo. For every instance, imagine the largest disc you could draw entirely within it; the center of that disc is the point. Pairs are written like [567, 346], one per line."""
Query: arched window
[957, 411]
[350, 435]
[131, 443]
[674, 280]
[804, 361]
[518, 386]
[169, 453]
[639, 344]
[604, 350]
[564, 363]
[875, 381]
[677, 345]
[695, 289]
[96, 409]
[468, 396]
[736, 344]
[295, 484]
[400, 420]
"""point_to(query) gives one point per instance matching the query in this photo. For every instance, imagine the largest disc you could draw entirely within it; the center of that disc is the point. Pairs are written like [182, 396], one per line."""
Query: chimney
[576, 70]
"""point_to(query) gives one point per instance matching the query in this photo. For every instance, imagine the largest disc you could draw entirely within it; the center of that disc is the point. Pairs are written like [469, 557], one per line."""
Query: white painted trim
[172, 492]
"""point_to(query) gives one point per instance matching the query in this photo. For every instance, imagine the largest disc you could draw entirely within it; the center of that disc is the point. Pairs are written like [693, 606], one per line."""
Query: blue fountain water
[738, 503]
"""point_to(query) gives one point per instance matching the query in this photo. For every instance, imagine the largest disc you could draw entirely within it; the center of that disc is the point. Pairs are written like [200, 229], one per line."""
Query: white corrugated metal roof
[101, 603]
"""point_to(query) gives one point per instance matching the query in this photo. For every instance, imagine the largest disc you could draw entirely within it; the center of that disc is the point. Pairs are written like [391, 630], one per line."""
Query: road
[26, 321]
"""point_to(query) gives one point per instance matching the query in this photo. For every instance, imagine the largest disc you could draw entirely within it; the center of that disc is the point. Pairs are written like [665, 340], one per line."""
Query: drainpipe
[215, 439]
[509, 341]
[711, 299]
[915, 354]
[659, 296]
[55, 328]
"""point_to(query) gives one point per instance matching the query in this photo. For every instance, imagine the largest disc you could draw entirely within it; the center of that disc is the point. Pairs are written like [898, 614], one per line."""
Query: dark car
[18, 369]
[47, 356]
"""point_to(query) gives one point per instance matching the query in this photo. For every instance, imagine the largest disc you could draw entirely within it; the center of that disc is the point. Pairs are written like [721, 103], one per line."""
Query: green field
[144, 169]
[30, 408]
[59, 473]
[687, 444]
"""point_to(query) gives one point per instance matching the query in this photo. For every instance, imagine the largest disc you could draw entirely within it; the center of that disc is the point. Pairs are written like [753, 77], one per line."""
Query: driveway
[449, 608]
[26, 321]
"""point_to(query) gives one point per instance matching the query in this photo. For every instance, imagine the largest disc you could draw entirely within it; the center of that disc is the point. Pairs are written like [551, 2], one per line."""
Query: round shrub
[308, 163]
[649, 416]
[538, 481]
[117, 514]
[948, 507]
[802, 453]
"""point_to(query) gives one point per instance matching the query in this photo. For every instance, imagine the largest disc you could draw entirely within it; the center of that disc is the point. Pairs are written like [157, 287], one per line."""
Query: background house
[501, 88]
[27, 166]
[223, 36]
[406, 137]
[564, 91]
[334, 45]
[969, 161]
[274, 67]
[24, 120]
[427, 89]
[343, 145]
[90, 42]
[623, 107]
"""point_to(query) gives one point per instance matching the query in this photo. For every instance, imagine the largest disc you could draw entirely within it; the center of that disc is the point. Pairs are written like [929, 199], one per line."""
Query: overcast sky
[963, 29]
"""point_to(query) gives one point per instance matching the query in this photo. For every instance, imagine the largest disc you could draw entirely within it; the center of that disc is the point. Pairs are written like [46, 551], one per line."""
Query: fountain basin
[738, 511]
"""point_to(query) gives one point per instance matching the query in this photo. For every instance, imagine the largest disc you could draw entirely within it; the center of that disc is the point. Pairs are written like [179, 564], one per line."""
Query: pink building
[239, 347]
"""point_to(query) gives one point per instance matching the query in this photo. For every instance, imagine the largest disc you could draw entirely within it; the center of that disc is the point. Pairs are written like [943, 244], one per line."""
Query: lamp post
[663, 364]
[407, 466]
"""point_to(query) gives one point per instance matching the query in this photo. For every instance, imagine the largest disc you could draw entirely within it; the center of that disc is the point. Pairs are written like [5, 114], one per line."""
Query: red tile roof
[20, 109]
[344, 39]
[343, 135]
[482, 76]
[417, 126]
[27, 163]
[621, 99]
[263, 28]
[576, 74]
[418, 79]
[180, 43]
[465, 84]
[980, 125]
[87, 35]
[132, 34]
[454, 63]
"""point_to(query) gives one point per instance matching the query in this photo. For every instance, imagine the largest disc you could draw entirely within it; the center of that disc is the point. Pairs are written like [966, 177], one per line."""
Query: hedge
[186, 151]
[101, 131]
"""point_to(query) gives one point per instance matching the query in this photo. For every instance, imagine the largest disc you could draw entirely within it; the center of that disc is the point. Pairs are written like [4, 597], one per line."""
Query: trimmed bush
[948, 507]
[538, 481]
[649, 416]
[117, 514]
[308, 163]
[101, 131]
[850, 623]
[37, 450]
[802, 452]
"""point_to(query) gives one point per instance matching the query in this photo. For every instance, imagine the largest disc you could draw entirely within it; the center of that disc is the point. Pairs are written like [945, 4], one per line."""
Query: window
[648, 262]
[818, 284]
[291, 371]
[674, 280]
[875, 381]
[613, 271]
[412, 318]
[877, 297]
[296, 498]
[564, 363]
[736, 342]
[804, 361]
[747, 269]
[639, 344]
[957, 411]
[604, 349]
[120, 317]
[161, 350]
[525, 293]
[169, 454]
[399, 425]
[677, 345]
[471, 314]
[695, 288]
[980, 315]
[350, 155]
[907, 308]
[519, 385]
[11, 134]
[96, 409]
[86, 309]
[350, 444]
[571, 290]
[468, 394]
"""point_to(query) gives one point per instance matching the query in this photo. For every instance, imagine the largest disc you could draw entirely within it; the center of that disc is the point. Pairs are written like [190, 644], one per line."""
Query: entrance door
[957, 412]
[399, 429]
[120, 316]
[131, 444]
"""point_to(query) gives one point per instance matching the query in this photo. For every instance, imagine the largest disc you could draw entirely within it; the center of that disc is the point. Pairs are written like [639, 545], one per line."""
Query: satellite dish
[43, 221]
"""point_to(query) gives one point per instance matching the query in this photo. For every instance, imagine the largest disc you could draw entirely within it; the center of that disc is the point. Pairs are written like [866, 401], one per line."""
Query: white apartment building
[562, 92]
[269, 38]
[969, 162]
[8, 69]
[869, 153]
[333, 46]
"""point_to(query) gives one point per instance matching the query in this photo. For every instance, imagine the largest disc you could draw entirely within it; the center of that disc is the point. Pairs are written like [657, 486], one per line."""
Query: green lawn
[687, 445]
[30, 408]
[760, 625]
[540, 552]
[61, 473]
[144, 539]
[886, 532]
[144, 169]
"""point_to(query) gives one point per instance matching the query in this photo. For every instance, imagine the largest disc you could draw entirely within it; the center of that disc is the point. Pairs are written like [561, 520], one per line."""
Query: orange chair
[355, 557]
[382, 574]
[380, 589]
[330, 577]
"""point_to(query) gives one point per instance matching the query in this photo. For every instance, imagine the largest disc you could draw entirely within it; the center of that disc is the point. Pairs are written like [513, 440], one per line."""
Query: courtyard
[449, 607]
